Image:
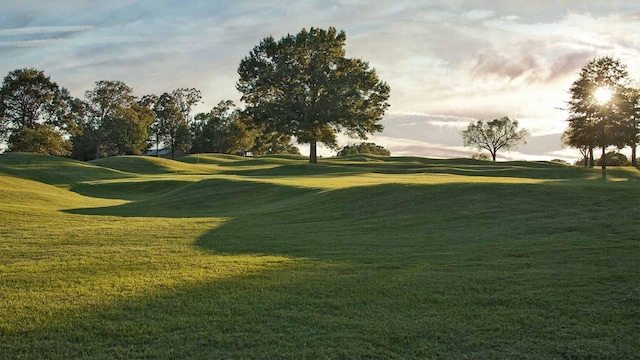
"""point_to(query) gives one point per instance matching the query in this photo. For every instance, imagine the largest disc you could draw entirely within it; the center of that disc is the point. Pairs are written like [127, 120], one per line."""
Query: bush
[614, 158]
[481, 156]
[364, 148]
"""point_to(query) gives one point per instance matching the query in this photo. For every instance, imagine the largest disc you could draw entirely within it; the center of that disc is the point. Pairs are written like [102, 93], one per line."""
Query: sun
[603, 94]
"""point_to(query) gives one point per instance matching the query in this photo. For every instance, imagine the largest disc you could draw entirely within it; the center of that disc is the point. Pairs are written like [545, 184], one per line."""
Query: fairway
[361, 257]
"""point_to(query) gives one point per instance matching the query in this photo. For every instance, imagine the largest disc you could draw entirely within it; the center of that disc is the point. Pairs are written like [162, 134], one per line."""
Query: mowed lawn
[361, 257]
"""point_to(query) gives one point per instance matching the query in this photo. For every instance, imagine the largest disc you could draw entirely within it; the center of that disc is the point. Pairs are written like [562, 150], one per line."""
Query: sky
[448, 62]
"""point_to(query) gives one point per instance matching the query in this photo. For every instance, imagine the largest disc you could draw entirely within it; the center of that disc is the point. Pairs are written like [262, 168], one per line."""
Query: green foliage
[494, 135]
[304, 86]
[221, 131]
[170, 126]
[271, 142]
[112, 122]
[34, 108]
[186, 99]
[363, 148]
[157, 264]
[40, 139]
[127, 131]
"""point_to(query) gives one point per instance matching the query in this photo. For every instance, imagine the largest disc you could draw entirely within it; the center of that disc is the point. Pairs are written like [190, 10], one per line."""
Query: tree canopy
[602, 108]
[494, 135]
[35, 113]
[221, 130]
[303, 86]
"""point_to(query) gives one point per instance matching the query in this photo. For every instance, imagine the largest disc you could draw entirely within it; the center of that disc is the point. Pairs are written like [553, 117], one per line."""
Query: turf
[357, 257]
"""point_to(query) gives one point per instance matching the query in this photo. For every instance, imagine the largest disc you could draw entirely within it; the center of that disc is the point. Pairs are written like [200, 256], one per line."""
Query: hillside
[356, 257]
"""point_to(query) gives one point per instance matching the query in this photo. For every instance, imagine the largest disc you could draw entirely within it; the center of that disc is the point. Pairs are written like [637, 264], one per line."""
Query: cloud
[447, 62]
[45, 30]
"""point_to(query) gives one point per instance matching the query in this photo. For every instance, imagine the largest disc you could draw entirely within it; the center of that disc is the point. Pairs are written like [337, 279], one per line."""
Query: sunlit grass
[361, 257]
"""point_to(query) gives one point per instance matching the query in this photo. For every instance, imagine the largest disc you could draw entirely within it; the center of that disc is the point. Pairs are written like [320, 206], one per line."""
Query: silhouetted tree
[600, 122]
[494, 135]
[304, 86]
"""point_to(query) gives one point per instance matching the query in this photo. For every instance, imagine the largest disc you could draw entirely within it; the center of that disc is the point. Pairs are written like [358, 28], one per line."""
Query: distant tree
[221, 130]
[599, 113]
[35, 109]
[577, 137]
[105, 103]
[560, 161]
[186, 99]
[126, 132]
[170, 126]
[363, 148]
[480, 156]
[494, 135]
[304, 86]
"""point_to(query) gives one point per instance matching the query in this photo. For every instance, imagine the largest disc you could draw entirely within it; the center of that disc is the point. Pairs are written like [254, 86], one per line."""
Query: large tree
[600, 111]
[34, 113]
[303, 85]
[494, 135]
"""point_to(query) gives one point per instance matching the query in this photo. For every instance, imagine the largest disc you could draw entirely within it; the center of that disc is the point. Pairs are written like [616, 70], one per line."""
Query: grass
[358, 257]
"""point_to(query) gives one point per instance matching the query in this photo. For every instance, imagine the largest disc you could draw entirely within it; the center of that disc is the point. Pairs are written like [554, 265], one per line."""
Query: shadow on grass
[442, 306]
[212, 197]
[386, 271]
[295, 170]
[128, 190]
[395, 221]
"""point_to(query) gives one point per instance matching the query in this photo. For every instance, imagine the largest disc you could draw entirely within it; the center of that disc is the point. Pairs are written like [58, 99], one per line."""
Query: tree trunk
[634, 161]
[313, 153]
[591, 160]
[493, 155]
[604, 162]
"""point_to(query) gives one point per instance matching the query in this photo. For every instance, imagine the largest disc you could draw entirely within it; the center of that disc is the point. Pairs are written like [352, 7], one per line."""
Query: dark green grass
[234, 268]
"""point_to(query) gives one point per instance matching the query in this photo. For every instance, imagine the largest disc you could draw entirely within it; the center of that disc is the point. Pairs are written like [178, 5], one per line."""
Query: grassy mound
[148, 165]
[53, 170]
[357, 257]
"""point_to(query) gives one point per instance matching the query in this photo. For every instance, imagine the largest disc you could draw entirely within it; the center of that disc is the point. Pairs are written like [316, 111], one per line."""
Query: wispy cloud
[448, 62]
[44, 30]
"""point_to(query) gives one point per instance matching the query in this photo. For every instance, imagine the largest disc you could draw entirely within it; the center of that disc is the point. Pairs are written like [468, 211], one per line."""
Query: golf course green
[359, 257]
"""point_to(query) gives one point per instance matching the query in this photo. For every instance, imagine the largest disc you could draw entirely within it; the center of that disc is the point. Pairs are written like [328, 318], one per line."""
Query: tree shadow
[205, 198]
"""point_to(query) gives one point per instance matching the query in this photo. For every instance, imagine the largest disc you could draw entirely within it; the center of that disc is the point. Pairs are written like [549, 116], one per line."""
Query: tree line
[300, 86]
[40, 116]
